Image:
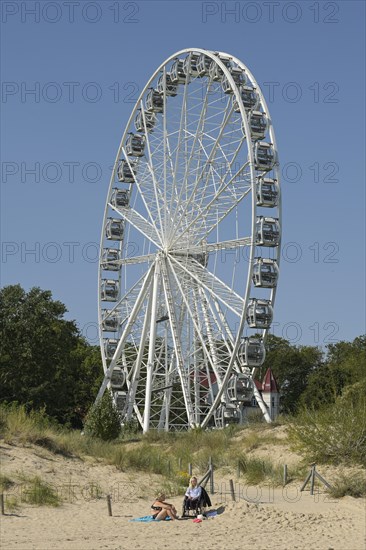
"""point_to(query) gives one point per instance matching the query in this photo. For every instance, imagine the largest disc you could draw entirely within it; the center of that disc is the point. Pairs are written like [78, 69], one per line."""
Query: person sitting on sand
[193, 495]
[163, 509]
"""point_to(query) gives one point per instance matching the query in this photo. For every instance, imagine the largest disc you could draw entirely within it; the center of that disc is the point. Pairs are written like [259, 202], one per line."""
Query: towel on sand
[147, 519]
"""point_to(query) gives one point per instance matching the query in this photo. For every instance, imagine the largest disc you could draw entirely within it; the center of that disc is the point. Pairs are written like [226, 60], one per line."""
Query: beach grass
[353, 485]
[162, 453]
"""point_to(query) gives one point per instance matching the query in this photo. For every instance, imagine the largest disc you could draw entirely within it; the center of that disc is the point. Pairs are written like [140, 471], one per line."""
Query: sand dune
[263, 517]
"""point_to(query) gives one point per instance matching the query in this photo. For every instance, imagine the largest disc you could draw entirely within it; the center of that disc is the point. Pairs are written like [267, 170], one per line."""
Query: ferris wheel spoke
[230, 163]
[188, 289]
[190, 198]
[169, 198]
[146, 258]
[218, 350]
[215, 144]
[174, 193]
[197, 130]
[217, 288]
[213, 218]
[211, 339]
[122, 307]
[143, 193]
[227, 245]
[224, 155]
[211, 211]
[166, 149]
[135, 310]
[149, 161]
[222, 327]
[147, 229]
[206, 248]
[133, 313]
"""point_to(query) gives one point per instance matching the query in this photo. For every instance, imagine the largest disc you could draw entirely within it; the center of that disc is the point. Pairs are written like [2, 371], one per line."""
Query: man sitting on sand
[163, 509]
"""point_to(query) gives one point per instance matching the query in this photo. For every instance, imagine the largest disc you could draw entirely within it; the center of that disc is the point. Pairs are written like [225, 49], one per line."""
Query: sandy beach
[264, 517]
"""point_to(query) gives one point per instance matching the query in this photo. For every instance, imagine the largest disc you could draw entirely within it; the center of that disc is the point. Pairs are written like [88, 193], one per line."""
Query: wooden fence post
[2, 504]
[306, 481]
[284, 475]
[211, 466]
[311, 477]
[109, 504]
[232, 490]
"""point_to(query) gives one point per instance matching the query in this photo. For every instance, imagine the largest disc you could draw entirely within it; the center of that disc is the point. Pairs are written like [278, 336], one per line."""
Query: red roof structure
[269, 383]
[258, 384]
[203, 378]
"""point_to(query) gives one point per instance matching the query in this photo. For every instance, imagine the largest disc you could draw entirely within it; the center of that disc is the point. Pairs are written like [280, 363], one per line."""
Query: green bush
[333, 434]
[103, 420]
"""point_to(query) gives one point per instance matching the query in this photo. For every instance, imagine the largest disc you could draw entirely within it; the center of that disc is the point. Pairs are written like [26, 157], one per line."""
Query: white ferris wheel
[190, 246]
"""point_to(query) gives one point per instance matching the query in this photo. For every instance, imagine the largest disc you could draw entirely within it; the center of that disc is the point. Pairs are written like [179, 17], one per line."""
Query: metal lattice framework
[190, 246]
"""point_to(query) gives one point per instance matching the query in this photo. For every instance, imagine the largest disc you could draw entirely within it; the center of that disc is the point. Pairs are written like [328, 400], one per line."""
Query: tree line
[46, 363]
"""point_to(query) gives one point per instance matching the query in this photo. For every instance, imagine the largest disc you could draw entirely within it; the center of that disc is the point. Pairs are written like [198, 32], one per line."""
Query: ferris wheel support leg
[196, 381]
[169, 394]
[177, 343]
[258, 398]
[197, 366]
[164, 413]
[164, 417]
[136, 372]
[151, 355]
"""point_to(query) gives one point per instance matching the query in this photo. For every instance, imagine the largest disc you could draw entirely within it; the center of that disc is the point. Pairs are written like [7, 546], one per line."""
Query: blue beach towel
[148, 519]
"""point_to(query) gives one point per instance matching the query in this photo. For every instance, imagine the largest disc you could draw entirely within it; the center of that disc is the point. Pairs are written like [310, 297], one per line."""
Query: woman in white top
[193, 495]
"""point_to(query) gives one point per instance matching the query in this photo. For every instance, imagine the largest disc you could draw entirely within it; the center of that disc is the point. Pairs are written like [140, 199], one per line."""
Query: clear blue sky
[86, 61]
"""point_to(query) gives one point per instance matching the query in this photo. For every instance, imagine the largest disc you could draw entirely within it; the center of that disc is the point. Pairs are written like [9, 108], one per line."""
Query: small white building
[270, 394]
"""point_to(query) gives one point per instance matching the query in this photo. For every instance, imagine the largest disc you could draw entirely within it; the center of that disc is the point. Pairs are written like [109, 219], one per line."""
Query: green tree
[44, 361]
[340, 351]
[89, 379]
[343, 368]
[292, 367]
[324, 385]
[349, 357]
